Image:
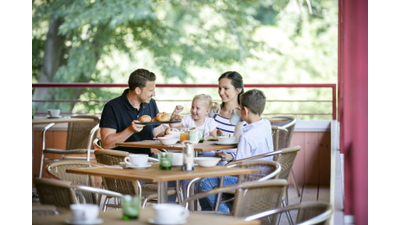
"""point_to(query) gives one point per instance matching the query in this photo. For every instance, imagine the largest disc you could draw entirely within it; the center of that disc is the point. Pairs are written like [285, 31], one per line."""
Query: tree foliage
[177, 36]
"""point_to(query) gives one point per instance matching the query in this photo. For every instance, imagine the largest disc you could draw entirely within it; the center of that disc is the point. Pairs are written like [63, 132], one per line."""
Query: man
[119, 115]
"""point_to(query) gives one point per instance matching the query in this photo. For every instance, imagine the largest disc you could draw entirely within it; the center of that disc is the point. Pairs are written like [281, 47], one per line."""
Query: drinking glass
[165, 160]
[130, 207]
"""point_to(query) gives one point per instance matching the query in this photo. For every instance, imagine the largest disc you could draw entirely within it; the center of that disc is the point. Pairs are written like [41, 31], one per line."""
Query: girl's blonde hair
[212, 106]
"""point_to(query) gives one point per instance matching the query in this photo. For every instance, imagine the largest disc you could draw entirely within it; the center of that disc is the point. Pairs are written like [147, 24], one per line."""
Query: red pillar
[353, 104]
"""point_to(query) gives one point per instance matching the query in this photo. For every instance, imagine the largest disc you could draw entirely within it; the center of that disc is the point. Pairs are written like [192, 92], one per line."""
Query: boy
[256, 139]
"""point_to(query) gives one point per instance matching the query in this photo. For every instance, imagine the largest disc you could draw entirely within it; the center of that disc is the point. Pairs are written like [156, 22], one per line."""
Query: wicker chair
[307, 213]
[268, 170]
[114, 157]
[79, 140]
[64, 193]
[57, 170]
[282, 132]
[250, 197]
[285, 157]
[47, 210]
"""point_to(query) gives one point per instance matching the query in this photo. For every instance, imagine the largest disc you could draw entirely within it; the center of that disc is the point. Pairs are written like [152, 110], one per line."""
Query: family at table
[119, 121]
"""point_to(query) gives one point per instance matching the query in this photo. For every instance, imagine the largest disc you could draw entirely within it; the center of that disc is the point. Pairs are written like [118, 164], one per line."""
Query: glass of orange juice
[184, 135]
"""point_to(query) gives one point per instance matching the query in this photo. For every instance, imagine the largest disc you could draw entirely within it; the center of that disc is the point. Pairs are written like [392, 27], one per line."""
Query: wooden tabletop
[47, 120]
[154, 174]
[115, 217]
[200, 147]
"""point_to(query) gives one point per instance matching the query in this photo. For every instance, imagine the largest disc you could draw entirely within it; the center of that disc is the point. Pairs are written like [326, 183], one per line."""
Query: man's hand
[136, 128]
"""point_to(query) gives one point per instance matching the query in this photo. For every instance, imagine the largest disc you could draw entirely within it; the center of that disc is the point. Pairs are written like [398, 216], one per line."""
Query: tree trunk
[51, 60]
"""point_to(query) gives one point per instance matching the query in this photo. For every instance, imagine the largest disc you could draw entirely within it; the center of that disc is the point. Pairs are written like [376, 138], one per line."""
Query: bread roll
[163, 116]
[145, 119]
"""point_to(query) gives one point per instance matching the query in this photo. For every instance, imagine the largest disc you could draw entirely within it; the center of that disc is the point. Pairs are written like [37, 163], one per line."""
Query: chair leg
[41, 166]
[294, 182]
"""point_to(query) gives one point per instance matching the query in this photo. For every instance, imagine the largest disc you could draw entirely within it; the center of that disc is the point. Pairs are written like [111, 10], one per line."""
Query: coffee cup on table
[53, 112]
[137, 159]
[168, 213]
[84, 212]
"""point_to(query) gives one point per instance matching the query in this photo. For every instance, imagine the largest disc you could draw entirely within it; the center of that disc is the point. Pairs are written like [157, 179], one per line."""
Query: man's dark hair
[139, 78]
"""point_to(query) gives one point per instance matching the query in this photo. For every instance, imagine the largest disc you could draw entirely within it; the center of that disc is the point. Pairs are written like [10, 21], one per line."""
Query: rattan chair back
[55, 192]
[80, 137]
[309, 213]
[282, 131]
[62, 193]
[268, 170]
[250, 197]
[114, 157]
[57, 170]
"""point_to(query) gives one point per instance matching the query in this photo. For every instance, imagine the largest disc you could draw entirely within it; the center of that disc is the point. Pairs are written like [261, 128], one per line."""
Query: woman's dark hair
[236, 81]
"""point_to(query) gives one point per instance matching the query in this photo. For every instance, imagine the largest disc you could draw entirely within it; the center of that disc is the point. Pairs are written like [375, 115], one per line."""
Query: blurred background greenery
[184, 42]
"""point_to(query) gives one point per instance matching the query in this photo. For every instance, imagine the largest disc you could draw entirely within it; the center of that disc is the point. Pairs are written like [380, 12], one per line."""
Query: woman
[230, 88]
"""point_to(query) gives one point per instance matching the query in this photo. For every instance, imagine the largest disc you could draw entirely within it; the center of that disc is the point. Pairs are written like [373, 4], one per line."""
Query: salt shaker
[188, 156]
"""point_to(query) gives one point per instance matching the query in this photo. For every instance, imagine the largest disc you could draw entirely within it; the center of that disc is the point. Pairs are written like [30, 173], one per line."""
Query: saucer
[226, 143]
[138, 167]
[84, 222]
[153, 221]
[53, 117]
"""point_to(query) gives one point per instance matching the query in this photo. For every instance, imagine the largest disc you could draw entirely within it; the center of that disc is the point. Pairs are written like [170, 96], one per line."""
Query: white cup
[84, 212]
[168, 213]
[195, 136]
[53, 112]
[177, 159]
[235, 117]
[137, 159]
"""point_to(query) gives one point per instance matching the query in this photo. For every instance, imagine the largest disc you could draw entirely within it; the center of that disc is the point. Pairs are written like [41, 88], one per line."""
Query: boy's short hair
[254, 100]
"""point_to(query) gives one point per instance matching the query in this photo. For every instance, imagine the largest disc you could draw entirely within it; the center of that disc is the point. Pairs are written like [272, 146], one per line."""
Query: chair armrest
[44, 134]
[97, 190]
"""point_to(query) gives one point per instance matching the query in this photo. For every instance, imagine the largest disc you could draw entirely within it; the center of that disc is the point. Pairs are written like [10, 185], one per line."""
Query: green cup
[130, 207]
[165, 160]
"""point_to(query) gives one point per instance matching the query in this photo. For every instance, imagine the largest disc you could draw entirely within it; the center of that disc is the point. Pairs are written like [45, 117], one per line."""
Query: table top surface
[47, 120]
[115, 217]
[154, 174]
[200, 147]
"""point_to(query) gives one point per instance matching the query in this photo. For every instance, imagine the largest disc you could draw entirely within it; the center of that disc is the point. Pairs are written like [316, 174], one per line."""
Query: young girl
[202, 107]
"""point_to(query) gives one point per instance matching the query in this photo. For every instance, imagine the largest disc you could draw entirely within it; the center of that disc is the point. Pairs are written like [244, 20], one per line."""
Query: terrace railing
[305, 101]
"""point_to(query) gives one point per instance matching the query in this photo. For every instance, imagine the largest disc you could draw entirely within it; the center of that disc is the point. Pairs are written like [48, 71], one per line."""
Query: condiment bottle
[188, 156]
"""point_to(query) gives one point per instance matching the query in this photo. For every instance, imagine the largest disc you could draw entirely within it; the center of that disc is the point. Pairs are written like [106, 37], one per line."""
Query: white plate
[138, 167]
[226, 143]
[153, 221]
[85, 222]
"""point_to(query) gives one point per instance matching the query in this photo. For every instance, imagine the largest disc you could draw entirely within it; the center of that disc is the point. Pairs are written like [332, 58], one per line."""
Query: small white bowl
[226, 139]
[168, 140]
[207, 161]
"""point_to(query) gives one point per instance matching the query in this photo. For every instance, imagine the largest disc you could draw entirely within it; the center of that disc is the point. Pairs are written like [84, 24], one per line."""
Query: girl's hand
[177, 110]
